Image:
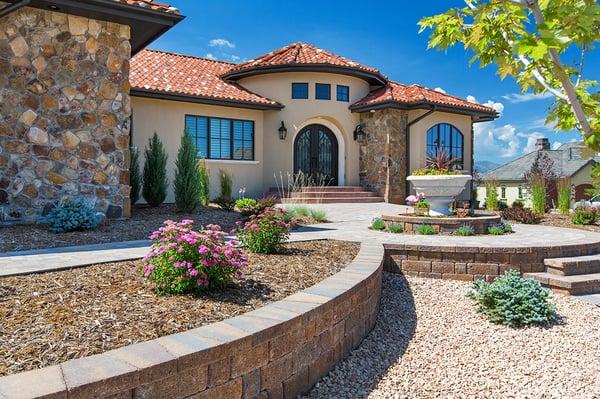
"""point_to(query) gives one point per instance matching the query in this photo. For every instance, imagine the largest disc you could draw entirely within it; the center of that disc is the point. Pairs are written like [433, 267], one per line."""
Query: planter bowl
[440, 190]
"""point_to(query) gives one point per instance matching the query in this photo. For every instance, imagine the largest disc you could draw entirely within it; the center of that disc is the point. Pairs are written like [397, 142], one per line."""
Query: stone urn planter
[440, 190]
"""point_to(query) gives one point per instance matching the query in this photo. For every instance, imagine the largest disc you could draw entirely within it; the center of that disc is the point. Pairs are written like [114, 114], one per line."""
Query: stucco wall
[298, 113]
[167, 118]
[64, 113]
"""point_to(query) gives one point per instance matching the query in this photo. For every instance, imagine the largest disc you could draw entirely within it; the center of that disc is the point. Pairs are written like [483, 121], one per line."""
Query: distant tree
[542, 181]
[135, 176]
[187, 177]
[543, 165]
[525, 39]
[155, 181]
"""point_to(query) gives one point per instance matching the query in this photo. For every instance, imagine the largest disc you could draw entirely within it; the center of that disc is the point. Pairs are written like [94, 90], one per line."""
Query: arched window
[445, 137]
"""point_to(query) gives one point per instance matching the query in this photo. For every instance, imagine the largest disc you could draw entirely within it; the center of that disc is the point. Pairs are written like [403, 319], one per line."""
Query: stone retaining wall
[470, 263]
[442, 225]
[64, 113]
[277, 351]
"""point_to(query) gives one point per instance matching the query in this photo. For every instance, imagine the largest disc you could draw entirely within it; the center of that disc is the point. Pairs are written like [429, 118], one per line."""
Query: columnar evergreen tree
[187, 177]
[155, 181]
[204, 183]
[135, 177]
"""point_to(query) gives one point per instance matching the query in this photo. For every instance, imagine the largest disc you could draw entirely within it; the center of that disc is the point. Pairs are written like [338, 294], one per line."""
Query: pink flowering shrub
[266, 232]
[183, 260]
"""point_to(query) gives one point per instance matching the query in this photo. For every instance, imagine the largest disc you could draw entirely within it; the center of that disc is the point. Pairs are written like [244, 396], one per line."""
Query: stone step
[573, 265]
[572, 285]
[330, 194]
[332, 200]
[331, 189]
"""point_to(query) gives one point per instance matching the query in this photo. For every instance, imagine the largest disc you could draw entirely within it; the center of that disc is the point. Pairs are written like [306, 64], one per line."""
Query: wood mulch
[46, 319]
[144, 220]
[558, 220]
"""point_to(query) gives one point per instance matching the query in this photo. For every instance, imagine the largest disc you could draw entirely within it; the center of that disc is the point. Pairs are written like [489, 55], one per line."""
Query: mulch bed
[47, 319]
[557, 220]
[144, 220]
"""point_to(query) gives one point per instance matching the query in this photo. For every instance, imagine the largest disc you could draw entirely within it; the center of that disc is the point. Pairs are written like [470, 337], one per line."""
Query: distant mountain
[485, 166]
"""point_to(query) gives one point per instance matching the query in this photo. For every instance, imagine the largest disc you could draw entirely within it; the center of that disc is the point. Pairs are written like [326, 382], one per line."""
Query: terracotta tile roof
[162, 72]
[301, 53]
[154, 5]
[395, 92]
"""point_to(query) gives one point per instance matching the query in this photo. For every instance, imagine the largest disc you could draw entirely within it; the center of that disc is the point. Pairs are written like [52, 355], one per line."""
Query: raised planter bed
[446, 224]
[279, 349]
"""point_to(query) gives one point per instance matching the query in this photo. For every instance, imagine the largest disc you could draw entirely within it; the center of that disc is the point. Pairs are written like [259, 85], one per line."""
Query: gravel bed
[429, 342]
[144, 220]
[49, 318]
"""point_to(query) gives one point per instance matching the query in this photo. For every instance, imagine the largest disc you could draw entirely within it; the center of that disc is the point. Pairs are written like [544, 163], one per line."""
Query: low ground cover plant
[496, 230]
[521, 215]
[465, 230]
[584, 216]
[72, 215]
[183, 260]
[513, 301]
[425, 230]
[378, 224]
[246, 206]
[395, 228]
[265, 233]
[306, 215]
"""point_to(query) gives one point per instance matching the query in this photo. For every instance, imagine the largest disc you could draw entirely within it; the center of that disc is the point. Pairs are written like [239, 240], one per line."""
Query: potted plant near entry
[420, 206]
[439, 183]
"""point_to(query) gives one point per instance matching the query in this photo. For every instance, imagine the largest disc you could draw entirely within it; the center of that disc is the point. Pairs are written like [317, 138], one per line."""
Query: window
[445, 137]
[300, 90]
[220, 138]
[343, 93]
[323, 91]
[520, 192]
[503, 192]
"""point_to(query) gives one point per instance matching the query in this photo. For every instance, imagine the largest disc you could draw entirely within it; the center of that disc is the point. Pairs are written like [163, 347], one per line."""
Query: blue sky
[383, 35]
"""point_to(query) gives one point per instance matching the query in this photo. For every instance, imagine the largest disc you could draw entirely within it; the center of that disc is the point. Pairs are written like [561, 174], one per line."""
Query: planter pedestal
[440, 190]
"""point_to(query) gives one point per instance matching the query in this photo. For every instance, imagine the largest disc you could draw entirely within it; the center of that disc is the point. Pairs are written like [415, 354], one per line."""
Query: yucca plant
[440, 159]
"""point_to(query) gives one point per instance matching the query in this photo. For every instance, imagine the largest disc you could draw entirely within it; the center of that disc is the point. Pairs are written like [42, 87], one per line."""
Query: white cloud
[440, 90]
[235, 58]
[516, 98]
[498, 107]
[472, 99]
[493, 141]
[531, 140]
[210, 56]
[221, 43]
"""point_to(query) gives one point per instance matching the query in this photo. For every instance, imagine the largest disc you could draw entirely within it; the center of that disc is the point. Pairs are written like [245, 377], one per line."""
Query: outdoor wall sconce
[359, 134]
[282, 131]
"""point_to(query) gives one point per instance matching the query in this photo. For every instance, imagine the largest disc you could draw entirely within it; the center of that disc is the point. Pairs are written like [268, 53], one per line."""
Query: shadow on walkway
[358, 374]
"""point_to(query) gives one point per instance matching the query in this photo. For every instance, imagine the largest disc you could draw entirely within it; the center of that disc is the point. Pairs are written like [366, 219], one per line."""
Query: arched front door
[316, 154]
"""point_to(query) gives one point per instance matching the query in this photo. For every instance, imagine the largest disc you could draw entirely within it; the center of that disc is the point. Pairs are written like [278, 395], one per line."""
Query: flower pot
[421, 211]
[440, 190]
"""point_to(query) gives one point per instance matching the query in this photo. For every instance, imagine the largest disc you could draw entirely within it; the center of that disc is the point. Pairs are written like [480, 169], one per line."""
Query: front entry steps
[579, 275]
[331, 195]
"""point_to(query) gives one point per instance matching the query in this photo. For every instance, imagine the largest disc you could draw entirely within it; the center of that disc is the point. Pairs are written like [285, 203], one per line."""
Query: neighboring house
[325, 102]
[68, 89]
[570, 160]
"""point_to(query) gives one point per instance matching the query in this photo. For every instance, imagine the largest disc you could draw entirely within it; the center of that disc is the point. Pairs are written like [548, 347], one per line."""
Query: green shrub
[267, 202]
[491, 195]
[204, 183]
[135, 175]
[495, 230]
[378, 224]
[537, 187]
[513, 301]
[518, 204]
[155, 180]
[265, 233]
[226, 184]
[72, 215]
[187, 177]
[521, 215]
[564, 196]
[395, 228]
[318, 215]
[584, 216]
[425, 230]
[465, 230]
[246, 206]
[507, 228]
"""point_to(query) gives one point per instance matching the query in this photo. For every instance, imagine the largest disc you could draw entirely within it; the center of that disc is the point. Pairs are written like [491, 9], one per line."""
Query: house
[78, 87]
[297, 109]
[570, 160]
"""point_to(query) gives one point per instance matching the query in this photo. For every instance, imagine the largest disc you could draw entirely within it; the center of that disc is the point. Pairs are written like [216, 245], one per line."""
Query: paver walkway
[348, 222]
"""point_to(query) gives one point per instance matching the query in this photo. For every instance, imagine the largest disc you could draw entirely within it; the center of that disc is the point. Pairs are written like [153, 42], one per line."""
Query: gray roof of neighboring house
[568, 159]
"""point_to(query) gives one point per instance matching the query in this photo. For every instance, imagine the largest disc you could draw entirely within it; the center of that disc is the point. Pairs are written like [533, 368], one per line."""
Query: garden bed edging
[279, 350]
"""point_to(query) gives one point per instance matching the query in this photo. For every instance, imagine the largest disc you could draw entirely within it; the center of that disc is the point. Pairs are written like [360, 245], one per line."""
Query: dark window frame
[432, 148]
[304, 84]
[337, 93]
[328, 91]
[231, 137]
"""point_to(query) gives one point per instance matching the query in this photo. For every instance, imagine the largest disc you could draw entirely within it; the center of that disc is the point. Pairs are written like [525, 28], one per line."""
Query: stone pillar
[64, 113]
[383, 157]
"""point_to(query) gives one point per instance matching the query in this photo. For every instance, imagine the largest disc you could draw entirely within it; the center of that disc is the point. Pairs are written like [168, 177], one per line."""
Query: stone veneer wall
[277, 351]
[383, 165]
[64, 113]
